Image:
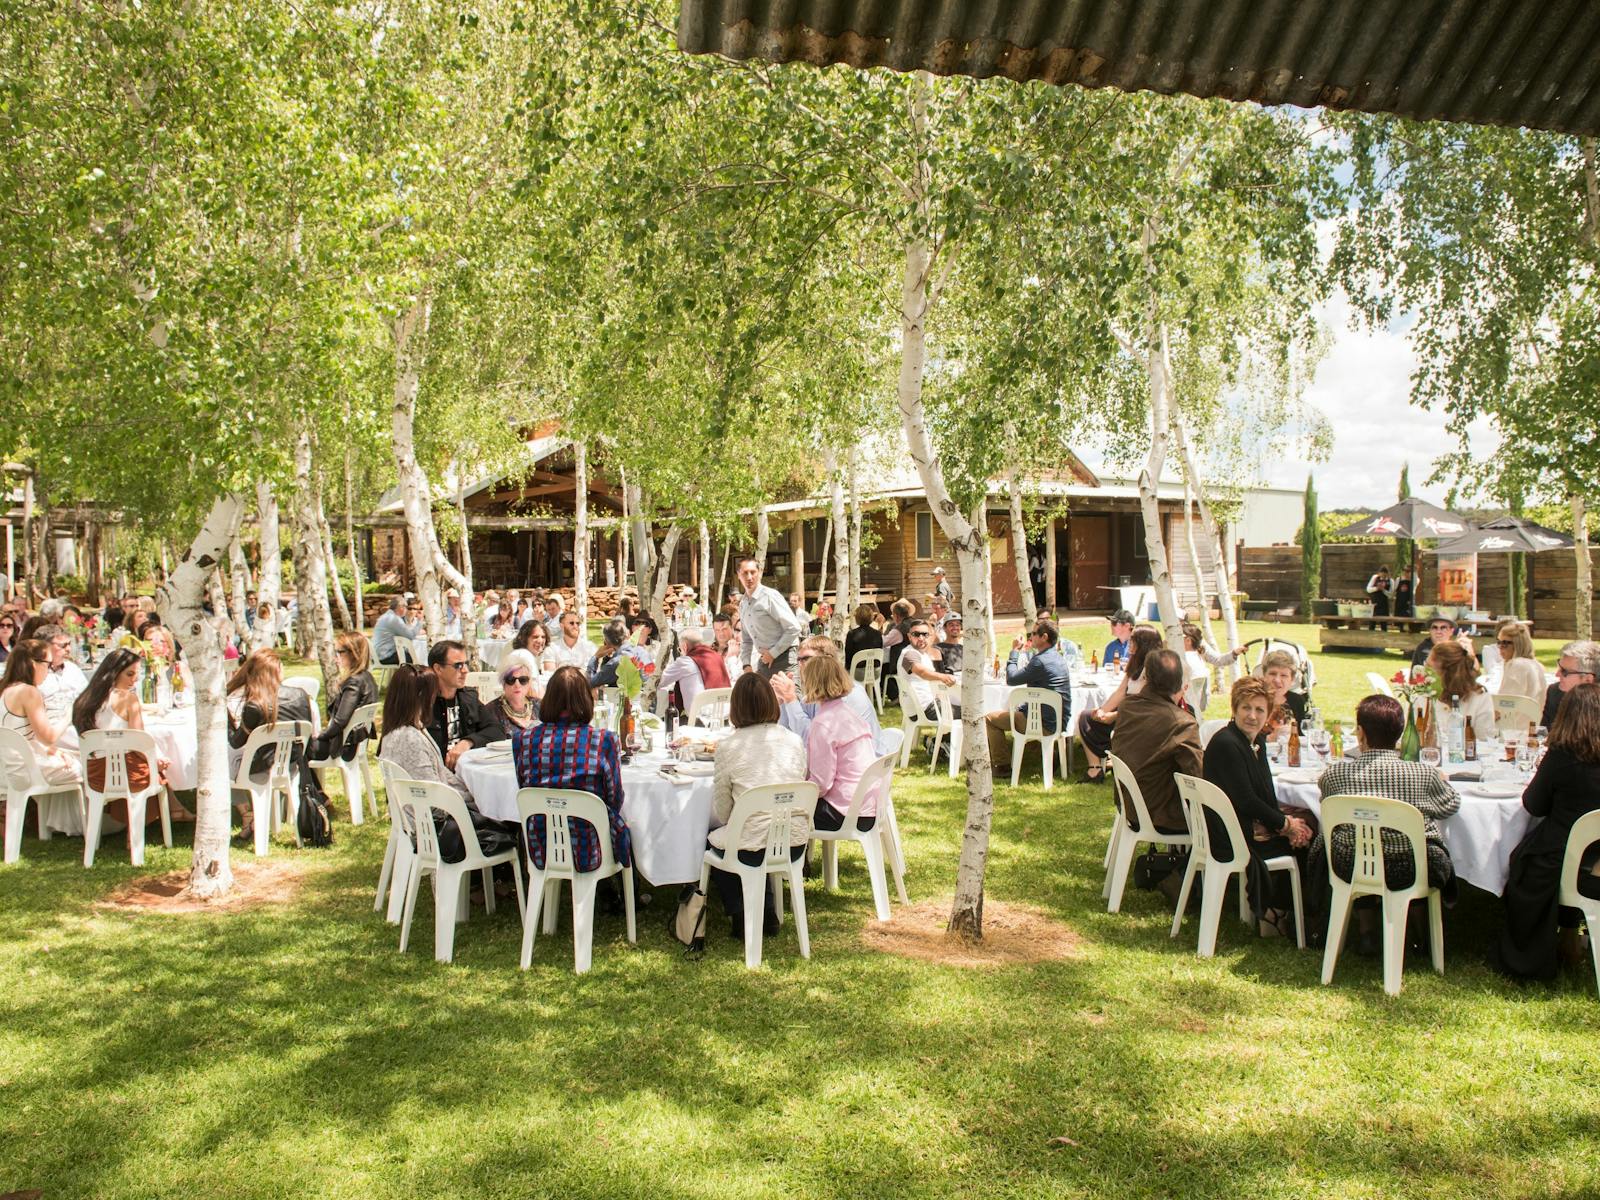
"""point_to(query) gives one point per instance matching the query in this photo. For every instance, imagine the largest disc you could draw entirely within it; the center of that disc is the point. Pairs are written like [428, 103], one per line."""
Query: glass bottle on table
[1469, 742]
[1294, 745]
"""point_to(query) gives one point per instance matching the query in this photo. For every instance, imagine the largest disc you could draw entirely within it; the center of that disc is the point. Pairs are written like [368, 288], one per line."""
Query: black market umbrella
[1507, 535]
[1410, 518]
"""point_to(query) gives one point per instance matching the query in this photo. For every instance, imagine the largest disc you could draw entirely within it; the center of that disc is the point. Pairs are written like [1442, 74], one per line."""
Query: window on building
[924, 535]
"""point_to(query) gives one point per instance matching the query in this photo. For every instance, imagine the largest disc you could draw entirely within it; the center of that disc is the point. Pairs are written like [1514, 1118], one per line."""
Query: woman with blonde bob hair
[1521, 674]
[839, 744]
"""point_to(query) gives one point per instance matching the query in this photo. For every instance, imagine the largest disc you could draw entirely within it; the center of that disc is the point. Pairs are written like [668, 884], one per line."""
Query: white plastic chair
[399, 854]
[559, 806]
[281, 780]
[312, 687]
[1035, 702]
[1208, 730]
[1379, 684]
[1128, 830]
[355, 773]
[1199, 798]
[1367, 817]
[915, 725]
[788, 808]
[1513, 713]
[866, 668]
[419, 798]
[113, 747]
[1585, 832]
[486, 683]
[411, 650]
[23, 782]
[710, 707]
[878, 843]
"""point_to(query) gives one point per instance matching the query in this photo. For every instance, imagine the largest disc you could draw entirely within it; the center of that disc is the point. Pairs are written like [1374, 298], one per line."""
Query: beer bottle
[1469, 747]
[1294, 744]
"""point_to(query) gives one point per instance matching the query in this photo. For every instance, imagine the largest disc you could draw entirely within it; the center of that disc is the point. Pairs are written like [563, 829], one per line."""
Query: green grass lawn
[291, 1051]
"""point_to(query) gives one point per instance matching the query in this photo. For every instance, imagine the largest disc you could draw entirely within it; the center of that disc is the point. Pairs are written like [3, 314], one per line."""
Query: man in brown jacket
[1157, 739]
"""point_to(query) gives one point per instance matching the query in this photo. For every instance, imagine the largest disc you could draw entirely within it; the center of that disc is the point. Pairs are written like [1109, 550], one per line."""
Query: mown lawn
[291, 1051]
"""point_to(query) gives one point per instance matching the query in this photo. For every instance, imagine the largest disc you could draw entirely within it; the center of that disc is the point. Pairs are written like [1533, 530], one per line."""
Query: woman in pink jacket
[838, 745]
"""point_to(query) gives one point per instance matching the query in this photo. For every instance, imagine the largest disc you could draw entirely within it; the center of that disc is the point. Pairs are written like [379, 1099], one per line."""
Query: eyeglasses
[457, 666]
[1564, 673]
[1503, 642]
[920, 633]
[522, 680]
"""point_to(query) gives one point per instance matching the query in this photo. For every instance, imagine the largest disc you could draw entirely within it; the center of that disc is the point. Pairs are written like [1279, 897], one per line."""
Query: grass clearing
[290, 1050]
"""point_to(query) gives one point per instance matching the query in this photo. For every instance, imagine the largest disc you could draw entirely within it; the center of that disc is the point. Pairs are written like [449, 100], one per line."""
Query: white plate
[1500, 789]
[700, 770]
[1299, 774]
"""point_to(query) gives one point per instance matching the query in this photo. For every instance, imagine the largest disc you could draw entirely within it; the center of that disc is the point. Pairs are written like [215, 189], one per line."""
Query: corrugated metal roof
[1496, 62]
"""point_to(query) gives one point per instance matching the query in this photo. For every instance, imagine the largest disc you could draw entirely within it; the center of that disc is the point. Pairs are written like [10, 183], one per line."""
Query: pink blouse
[838, 753]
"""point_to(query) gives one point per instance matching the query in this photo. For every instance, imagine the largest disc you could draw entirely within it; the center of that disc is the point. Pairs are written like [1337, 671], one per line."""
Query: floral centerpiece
[154, 663]
[1418, 684]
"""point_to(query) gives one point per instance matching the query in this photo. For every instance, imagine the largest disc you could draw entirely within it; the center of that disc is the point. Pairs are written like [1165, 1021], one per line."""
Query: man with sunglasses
[1045, 668]
[1579, 663]
[914, 673]
[461, 721]
[65, 681]
[1440, 629]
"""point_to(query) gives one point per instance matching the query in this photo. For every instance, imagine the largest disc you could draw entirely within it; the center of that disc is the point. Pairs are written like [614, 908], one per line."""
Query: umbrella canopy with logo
[1410, 518]
[1507, 535]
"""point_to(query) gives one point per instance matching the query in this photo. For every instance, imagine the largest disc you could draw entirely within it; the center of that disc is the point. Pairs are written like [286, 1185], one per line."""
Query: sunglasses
[460, 666]
[522, 680]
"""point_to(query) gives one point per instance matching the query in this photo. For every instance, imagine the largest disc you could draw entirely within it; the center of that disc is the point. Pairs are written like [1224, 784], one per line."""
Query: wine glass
[1526, 756]
[1429, 756]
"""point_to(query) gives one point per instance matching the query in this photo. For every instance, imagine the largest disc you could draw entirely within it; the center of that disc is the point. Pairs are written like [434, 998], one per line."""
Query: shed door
[1090, 568]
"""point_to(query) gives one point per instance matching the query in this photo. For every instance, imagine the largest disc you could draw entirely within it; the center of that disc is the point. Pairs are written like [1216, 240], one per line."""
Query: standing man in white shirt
[65, 682]
[769, 628]
[571, 649]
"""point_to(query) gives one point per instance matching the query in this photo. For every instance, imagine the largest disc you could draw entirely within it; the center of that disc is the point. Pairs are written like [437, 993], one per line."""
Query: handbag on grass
[687, 922]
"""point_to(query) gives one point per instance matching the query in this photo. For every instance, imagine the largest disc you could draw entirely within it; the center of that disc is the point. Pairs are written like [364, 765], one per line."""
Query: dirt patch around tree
[274, 881]
[1012, 934]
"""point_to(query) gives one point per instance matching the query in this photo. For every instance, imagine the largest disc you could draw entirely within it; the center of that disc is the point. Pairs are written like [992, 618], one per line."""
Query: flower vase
[1411, 740]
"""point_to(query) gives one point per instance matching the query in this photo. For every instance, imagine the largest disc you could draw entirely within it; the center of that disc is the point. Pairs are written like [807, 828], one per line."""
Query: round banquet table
[176, 741]
[668, 820]
[1089, 690]
[1480, 836]
[491, 651]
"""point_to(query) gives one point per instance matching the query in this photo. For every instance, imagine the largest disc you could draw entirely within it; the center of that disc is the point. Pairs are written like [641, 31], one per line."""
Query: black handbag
[1155, 865]
[313, 820]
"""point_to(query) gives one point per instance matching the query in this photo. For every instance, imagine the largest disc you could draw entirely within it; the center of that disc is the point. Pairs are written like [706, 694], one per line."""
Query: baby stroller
[1305, 677]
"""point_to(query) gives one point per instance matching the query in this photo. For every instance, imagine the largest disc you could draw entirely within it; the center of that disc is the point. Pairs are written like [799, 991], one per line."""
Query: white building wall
[1270, 516]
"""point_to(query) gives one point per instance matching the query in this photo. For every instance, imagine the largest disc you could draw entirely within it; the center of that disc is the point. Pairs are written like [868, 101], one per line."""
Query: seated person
[1440, 629]
[1279, 669]
[256, 697]
[65, 680]
[1044, 669]
[949, 653]
[1378, 770]
[354, 689]
[408, 743]
[1579, 663]
[798, 712]
[503, 622]
[725, 641]
[1095, 726]
[534, 638]
[389, 626]
[758, 751]
[839, 744]
[1236, 761]
[698, 667]
[1121, 643]
[1158, 739]
[914, 673]
[23, 707]
[864, 636]
[1458, 679]
[565, 750]
[1539, 934]
[460, 721]
[571, 649]
[517, 707]
[602, 671]
[1520, 673]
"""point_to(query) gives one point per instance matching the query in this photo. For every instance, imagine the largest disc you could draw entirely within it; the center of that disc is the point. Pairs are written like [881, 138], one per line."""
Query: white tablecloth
[668, 821]
[1480, 837]
[176, 741]
[491, 651]
[1088, 691]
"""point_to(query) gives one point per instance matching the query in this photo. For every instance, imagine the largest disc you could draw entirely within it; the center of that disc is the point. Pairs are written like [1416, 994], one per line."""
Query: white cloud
[1363, 386]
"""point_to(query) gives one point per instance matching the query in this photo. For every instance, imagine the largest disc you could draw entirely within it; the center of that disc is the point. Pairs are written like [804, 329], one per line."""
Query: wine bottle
[1294, 744]
[1469, 743]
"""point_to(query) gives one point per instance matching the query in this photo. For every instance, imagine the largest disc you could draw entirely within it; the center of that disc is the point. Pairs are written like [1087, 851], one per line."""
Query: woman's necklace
[525, 715]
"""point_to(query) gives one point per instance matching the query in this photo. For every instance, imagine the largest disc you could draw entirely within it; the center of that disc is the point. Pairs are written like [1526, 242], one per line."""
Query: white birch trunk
[269, 585]
[1149, 505]
[624, 534]
[763, 536]
[1019, 552]
[1208, 521]
[707, 593]
[969, 544]
[240, 571]
[855, 535]
[822, 563]
[311, 566]
[178, 601]
[331, 563]
[1201, 600]
[718, 596]
[1584, 598]
[427, 557]
[350, 543]
[469, 618]
[580, 534]
[843, 564]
